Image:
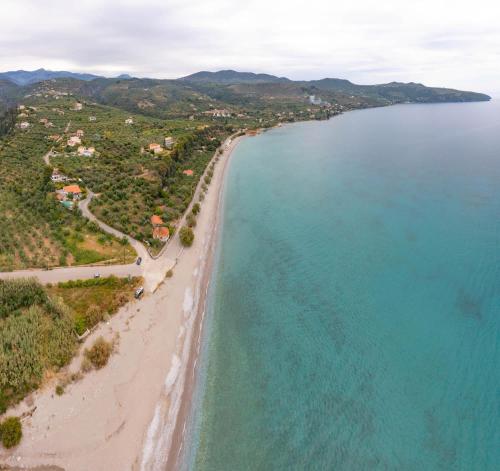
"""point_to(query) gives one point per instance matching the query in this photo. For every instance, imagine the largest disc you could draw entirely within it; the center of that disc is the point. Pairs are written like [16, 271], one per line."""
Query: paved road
[74, 273]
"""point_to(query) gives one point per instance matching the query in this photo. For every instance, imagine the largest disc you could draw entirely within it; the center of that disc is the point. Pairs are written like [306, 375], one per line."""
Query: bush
[59, 390]
[196, 208]
[11, 432]
[191, 220]
[99, 353]
[186, 235]
[170, 273]
[86, 365]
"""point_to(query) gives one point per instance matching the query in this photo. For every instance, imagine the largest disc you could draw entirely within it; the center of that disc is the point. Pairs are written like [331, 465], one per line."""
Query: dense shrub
[196, 208]
[186, 236]
[11, 432]
[37, 337]
[22, 293]
[99, 353]
[191, 220]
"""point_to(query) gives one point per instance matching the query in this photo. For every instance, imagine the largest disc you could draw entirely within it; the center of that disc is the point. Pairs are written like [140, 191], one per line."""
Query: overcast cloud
[436, 42]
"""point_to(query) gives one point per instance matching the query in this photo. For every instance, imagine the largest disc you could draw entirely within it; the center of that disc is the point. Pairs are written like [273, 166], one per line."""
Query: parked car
[139, 292]
[139, 260]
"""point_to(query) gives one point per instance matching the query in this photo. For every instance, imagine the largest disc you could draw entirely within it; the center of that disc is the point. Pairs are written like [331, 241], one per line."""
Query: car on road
[139, 292]
[139, 260]
[97, 275]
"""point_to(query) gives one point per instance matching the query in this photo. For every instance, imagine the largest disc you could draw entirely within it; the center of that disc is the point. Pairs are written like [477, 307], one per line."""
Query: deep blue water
[353, 320]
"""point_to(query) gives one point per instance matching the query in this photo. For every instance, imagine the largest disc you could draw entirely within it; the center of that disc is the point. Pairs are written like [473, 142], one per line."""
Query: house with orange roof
[161, 233]
[72, 190]
[156, 148]
[156, 220]
[188, 172]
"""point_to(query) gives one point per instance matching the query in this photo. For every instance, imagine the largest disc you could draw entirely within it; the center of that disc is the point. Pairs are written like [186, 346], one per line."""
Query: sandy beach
[123, 417]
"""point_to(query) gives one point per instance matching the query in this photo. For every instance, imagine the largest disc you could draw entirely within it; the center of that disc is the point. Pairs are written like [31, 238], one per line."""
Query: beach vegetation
[99, 353]
[11, 432]
[191, 220]
[36, 335]
[186, 236]
[196, 208]
[93, 299]
[170, 273]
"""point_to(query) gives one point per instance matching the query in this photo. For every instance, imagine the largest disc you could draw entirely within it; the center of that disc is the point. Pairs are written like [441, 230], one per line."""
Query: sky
[453, 43]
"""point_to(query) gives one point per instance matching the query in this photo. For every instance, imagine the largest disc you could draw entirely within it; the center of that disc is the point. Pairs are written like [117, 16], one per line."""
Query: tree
[186, 236]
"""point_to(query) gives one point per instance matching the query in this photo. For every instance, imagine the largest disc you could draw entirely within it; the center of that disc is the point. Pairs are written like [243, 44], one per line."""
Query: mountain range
[205, 90]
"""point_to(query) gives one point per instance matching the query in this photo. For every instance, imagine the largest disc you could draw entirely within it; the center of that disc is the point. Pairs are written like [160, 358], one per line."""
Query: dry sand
[123, 416]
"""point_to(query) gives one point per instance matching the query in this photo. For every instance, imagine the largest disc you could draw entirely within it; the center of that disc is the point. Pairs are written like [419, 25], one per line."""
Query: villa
[161, 233]
[73, 141]
[169, 142]
[58, 177]
[156, 148]
[86, 151]
[156, 221]
[72, 190]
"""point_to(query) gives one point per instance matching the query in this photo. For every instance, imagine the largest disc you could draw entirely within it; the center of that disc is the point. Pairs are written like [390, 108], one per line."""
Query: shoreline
[120, 416]
[178, 433]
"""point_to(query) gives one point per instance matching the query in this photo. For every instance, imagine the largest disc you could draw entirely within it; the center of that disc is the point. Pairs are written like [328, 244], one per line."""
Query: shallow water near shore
[353, 316]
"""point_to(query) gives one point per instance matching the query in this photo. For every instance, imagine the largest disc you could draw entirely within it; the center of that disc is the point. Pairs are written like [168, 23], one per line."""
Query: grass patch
[92, 300]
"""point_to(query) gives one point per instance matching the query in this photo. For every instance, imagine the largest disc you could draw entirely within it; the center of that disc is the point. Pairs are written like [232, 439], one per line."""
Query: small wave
[187, 305]
[173, 373]
[150, 437]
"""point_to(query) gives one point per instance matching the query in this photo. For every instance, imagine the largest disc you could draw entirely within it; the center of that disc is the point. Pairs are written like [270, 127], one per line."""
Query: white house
[24, 125]
[73, 141]
[129, 121]
[169, 142]
[86, 151]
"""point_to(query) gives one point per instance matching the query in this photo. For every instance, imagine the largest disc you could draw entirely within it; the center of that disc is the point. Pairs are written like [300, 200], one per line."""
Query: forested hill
[238, 91]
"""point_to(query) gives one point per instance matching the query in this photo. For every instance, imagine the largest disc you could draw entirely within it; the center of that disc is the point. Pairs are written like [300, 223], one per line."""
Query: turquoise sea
[353, 317]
